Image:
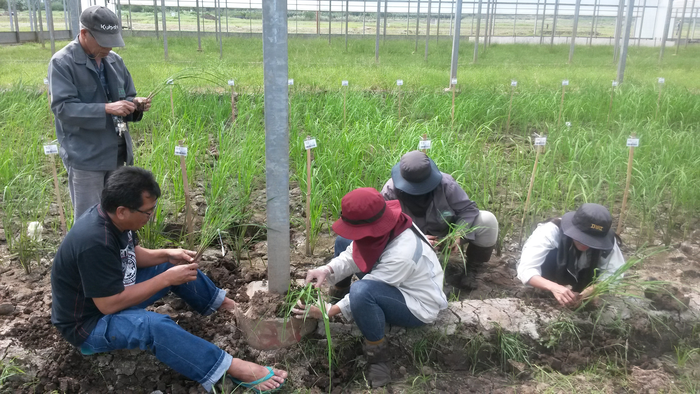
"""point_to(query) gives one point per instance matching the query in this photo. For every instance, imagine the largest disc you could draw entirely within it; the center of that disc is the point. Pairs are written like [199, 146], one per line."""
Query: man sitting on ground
[102, 280]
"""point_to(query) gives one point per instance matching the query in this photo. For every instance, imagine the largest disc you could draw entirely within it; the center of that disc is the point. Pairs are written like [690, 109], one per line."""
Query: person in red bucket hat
[401, 277]
[566, 255]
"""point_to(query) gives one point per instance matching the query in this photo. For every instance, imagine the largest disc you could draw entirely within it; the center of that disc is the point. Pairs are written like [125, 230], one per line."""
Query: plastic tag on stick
[662, 80]
[399, 82]
[614, 83]
[180, 151]
[170, 82]
[424, 144]
[540, 141]
[633, 142]
[310, 143]
[51, 149]
[453, 81]
[290, 81]
[231, 82]
[565, 82]
[46, 81]
[513, 83]
[344, 83]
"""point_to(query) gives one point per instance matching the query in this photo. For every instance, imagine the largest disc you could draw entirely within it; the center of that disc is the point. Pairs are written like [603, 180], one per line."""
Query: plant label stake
[181, 151]
[632, 143]
[513, 85]
[309, 143]
[172, 105]
[658, 100]
[51, 150]
[344, 83]
[612, 94]
[399, 83]
[540, 142]
[564, 84]
[232, 83]
[424, 144]
[453, 83]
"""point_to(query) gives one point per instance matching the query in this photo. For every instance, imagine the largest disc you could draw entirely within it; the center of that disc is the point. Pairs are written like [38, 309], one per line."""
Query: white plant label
[662, 80]
[514, 83]
[565, 82]
[424, 144]
[453, 81]
[170, 82]
[310, 143]
[231, 82]
[180, 151]
[568, 124]
[614, 83]
[399, 82]
[50, 149]
[633, 142]
[540, 141]
[46, 81]
[345, 83]
[290, 81]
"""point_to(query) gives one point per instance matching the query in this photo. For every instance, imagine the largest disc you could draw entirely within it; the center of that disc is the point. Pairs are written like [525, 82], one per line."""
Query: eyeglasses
[147, 213]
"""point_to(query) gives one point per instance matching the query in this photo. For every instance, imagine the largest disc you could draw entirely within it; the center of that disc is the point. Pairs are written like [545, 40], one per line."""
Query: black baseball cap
[104, 26]
[590, 225]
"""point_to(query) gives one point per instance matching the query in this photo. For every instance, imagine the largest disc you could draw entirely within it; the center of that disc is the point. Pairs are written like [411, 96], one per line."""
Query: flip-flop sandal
[251, 385]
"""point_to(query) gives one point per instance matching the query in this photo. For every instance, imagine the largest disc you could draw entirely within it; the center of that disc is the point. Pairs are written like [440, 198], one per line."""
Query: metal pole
[625, 43]
[31, 17]
[65, 14]
[165, 31]
[618, 30]
[544, 16]
[408, 18]
[221, 33]
[385, 17]
[554, 22]
[537, 14]
[573, 32]
[488, 20]
[641, 23]
[155, 17]
[179, 24]
[515, 19]
[12, 17]
[75, 10]
[199, 35]
[376, 40]
[595, 5]
[364, 16]
[680, 29]
[666, 27]
[347, 19]
[49, 26]
[427, 29]
[471, 26]
[131, 26]
[119, 13]
[492, 25]
[455, 41]
[417, 26]
[437, 35]
[41, 25]
[452, 15]
[330, 18]
[226, 5]
[476, 37]
[275, 66]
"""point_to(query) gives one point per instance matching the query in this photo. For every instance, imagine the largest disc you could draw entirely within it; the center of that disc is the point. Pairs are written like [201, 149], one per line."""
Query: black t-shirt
[94, 260]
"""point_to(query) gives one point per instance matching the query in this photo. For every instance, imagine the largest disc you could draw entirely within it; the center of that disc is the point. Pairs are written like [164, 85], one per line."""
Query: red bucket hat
[364, 213]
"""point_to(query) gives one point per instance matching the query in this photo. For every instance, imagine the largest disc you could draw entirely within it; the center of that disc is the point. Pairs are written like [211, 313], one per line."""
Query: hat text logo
[109, 27]
[596, 227]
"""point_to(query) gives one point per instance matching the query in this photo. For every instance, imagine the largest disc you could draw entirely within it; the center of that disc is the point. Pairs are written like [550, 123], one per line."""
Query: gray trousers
[485, 229]
[85, 188]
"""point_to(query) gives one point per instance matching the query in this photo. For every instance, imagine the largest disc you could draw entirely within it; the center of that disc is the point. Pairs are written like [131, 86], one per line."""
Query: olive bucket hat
[416, 174]
[590, 225]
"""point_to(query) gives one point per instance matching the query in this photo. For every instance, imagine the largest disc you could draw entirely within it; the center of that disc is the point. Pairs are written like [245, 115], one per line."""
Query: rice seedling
[8, 369]
[511, 347]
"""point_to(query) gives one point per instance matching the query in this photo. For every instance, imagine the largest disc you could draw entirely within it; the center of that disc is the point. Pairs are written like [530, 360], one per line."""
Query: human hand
[565, 296]
[319, 274]
[181, 274]
[142, 103]
[180, 256]
[456, 245]
[432, 239]
[302, 311]
[120, 108]
[587, 292]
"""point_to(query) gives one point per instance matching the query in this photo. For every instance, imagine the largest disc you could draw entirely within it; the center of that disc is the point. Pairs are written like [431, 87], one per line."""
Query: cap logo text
[596, 227]
[109, 27]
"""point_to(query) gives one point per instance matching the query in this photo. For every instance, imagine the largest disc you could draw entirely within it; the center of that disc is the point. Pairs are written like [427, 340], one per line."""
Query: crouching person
[401, 277]
[102, 280]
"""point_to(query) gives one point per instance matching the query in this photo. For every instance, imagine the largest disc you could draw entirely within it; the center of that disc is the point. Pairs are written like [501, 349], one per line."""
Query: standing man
[102, 280]
[93, 97]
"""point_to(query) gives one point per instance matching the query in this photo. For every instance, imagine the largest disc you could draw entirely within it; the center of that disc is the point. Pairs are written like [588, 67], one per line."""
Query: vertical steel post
[347, 20]
[455, 42]
[330, 18]
[221, 32]
[554, 22]
[408, 18]
[31, 17]
[544, 16]
[680, 28]
[687, 35]
[179, 24]
[65, 14]
[515, 19]
[667, 24]
[165, 31]
[131, 26]
[275, 67]
[417, 26]
[437, 34]
[427, 29]
[626, 41]
[49, 26]
[595, 6]
[376, 40]
[75, 11]
[41, 25]
[199, 34]
[155, 17]
[573, 32]
[641, 23]
[537, 14]
[488, 21]
[385, 17]
[452, 15]
[492, 25]
[364, 16]
[618, 30]
[476, 37]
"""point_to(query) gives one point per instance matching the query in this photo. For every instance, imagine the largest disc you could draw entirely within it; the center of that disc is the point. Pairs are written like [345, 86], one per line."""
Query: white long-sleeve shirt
[408, 264]
[546, 238]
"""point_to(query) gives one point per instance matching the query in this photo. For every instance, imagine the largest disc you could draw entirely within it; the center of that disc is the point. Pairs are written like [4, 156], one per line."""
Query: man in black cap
[93, 97]
[567, 254]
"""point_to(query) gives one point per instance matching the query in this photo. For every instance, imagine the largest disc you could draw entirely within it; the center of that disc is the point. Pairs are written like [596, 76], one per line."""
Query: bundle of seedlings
[188, 73]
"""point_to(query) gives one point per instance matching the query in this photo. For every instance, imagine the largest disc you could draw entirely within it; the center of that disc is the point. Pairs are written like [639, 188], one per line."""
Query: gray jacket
[450, 205]
[85, 131]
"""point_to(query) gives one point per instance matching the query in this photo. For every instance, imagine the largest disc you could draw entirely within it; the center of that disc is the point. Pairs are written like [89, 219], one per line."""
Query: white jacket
[408, 264]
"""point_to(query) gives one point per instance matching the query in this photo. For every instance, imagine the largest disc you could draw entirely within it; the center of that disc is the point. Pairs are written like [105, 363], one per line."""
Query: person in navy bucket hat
[567, 255]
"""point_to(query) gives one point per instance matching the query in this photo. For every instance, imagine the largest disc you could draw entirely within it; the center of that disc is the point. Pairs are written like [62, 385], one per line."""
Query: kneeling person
[102, 280]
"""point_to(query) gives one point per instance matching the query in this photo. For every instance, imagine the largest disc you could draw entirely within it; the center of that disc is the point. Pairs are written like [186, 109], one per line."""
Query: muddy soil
[449, 365]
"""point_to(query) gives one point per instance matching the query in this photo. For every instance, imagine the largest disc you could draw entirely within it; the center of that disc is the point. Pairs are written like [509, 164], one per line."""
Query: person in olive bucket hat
[93, 99]
[437, 204]
[401, 277]
[566, 255]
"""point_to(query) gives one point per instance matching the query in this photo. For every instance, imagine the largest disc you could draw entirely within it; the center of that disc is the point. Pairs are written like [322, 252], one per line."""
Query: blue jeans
[135, 327]
[374, 304]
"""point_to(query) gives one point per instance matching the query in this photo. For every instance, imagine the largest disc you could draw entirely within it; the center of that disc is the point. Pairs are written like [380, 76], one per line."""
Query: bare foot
[228, 305]
[246, 371]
